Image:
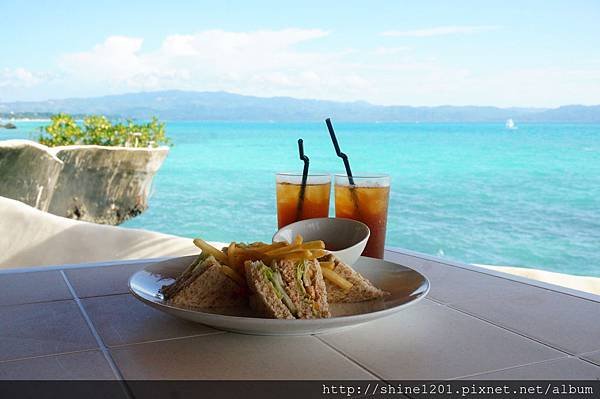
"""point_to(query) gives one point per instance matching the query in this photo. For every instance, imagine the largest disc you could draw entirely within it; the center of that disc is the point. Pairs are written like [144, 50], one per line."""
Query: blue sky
[504, 53]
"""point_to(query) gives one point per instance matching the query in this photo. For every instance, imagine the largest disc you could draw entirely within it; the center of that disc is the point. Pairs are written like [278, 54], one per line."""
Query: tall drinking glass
[366, 201]
[297, 203]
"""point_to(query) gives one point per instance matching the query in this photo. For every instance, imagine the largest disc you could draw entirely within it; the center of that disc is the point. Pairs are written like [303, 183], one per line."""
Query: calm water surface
[474, 192]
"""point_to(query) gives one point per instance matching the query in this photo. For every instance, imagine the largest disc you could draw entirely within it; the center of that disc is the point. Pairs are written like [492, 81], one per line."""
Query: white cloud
[116, 61]
[286, 63]
[19, 78]
[440, 31]
[261, 62]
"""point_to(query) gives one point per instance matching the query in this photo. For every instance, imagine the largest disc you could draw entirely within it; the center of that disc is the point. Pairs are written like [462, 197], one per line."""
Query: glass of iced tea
[296, 203]
[366, 201]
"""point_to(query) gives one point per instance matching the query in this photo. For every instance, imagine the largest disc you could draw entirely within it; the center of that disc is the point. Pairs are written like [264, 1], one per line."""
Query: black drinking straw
[304, 158]
[339, 152]
[344, 157]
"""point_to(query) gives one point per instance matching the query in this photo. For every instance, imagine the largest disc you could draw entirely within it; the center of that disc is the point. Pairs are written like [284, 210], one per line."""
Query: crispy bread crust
[362, 289]
[189, 274]
[204, 286]
[211, 289]
[263, 299]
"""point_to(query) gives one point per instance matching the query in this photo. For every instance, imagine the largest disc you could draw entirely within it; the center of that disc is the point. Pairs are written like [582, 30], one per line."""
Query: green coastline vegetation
[64, 129]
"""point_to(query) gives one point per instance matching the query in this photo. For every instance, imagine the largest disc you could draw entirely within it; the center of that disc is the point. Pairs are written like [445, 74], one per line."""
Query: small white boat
[510, 124]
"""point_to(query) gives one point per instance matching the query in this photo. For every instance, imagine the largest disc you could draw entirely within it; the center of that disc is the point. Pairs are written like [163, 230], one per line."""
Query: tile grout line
[97, 337]
[79, 266]
[90, 325]
[116, 371]
[521, 334]
[592, 362]
[18, 359]
[168, 339]
[513, 331]
[104, 295]
[568, 355]
[346, 356]
[4, 305]
[524, 335]
[510, 368]
[486, 273]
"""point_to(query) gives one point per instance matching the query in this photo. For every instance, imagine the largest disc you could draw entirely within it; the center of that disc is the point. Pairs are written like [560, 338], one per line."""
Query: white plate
[406, 286]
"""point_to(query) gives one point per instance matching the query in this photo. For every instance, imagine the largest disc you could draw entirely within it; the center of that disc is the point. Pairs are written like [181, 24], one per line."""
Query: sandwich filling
[276, 281]
[304, 274]
[305, 285]
[296, 286]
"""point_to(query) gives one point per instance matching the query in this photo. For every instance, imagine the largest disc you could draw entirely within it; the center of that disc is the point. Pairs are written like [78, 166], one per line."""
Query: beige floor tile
[103, 280]
[562, 321]
[20, 288]
[122, 319]
[431, 341]
[235, 356]
[42, 329]
[452, 284]
[88, 365]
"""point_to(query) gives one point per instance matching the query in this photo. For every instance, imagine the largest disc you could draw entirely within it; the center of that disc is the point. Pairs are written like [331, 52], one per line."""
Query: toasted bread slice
[264, 299]
[361, 290]
[204, 286]
[188, 275]
[305, 286]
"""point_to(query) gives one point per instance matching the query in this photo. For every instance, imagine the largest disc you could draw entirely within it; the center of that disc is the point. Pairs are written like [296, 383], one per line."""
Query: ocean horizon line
[315, 121]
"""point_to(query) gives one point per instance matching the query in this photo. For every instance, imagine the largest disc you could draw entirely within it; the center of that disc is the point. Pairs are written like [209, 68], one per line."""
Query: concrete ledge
[106, 185]
[28, 172]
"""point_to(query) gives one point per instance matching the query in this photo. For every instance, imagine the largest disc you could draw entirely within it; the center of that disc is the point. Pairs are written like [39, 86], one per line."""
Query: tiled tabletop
[80, 322]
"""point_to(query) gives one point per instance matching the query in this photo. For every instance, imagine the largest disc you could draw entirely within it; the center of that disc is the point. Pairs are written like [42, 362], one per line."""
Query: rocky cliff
[97, 184]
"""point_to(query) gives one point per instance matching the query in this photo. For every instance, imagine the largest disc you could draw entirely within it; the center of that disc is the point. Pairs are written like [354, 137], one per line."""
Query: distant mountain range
[191, 105]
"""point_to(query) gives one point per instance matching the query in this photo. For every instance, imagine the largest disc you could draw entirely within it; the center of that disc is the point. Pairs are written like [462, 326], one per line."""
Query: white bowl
[345, 238]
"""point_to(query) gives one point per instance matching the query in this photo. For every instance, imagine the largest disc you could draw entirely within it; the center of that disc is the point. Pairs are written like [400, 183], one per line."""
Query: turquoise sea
[478, 193]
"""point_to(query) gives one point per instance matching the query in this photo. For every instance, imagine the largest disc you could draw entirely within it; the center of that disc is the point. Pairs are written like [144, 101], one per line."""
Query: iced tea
[365, 201]
[295, 203]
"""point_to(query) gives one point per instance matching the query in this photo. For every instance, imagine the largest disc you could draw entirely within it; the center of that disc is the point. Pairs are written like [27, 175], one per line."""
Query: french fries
[243, 254]
[336, 279]
[313, 245]
[297, 254]
[270, 247]
[231, 254]
[283, 250]
[327, 265]
[229, 272]
[318, 253]
[309, 245]
[209, 249]
[235, 255]
[297, 240]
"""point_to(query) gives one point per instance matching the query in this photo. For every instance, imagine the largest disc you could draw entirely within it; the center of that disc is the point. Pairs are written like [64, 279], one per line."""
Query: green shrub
[99, 130]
